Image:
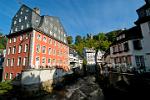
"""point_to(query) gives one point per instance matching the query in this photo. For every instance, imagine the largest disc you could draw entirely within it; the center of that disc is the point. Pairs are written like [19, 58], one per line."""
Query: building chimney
[37, 10]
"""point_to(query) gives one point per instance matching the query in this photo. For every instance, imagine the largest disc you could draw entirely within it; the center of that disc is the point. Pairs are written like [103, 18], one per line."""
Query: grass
[5, 87]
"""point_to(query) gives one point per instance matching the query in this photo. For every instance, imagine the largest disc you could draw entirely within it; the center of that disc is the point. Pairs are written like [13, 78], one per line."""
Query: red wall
[16, 69]
[61, 48]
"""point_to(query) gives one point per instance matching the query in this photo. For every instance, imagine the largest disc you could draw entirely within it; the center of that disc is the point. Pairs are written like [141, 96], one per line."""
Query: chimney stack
[37, 10]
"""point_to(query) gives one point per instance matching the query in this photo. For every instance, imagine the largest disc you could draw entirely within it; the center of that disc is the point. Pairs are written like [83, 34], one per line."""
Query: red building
[35, 42]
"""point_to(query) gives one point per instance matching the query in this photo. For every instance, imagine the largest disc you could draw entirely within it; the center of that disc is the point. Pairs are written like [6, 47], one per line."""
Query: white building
[75, 60]
[144, 23]
[89, 55]
[127, 51]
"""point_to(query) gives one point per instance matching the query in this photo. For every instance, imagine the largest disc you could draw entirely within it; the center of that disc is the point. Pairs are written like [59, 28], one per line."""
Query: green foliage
[112, 35]
[5, 87]
[101, 41]
[69, 39]
[3, 42]
[78, 39]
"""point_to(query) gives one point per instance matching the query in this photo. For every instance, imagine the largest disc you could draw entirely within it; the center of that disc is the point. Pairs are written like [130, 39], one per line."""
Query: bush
[5, 87]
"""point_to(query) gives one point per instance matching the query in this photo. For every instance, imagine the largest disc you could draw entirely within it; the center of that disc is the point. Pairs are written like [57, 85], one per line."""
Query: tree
[78, 39]
[69, 39]
[112, 35]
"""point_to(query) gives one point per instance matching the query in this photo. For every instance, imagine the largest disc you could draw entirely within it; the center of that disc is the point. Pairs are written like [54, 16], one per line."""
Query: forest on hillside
[100, 41]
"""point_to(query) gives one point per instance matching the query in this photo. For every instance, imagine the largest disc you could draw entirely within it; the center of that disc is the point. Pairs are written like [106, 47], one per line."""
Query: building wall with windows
[17, 54]
[128, 51]
[35, 42]
[144, 22]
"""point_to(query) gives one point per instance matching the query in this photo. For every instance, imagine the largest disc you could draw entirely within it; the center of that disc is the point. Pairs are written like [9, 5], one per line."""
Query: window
[8, 62]
[10, 40]
[14, 22]
[148, 12]
[27, 25]
[39, 37]
[43, 60]
[12, 62]
[126, 47]
[50, 41]
[140, 61]
[14, 39]
[19, 61]
[9, 50]
[11, 75]
[22, 27]
[38, 48]
[43, 49]
[44, 39]
[137, 45]
[21, 12]
[21, 37]
[19, 19]
[25, 61]
[20, 49]
[27, 36]
[49, 60]
[26, 48]
[14, 50]
[49, 51]
[6, 75]
[15, 29]
[25, 17]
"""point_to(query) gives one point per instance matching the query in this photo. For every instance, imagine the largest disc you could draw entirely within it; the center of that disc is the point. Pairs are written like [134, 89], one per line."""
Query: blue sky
[78, 17]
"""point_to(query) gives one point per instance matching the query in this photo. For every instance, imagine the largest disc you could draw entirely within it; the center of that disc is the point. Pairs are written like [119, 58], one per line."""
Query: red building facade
[34, 47]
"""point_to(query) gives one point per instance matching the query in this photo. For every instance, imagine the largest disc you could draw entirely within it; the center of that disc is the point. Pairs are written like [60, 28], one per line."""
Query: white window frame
[10, 40]
[25, 18]
[44, 39]
[20, 49]
[22, 27]
[9, 50]
[21, 37]
[44, 58]
[24, 61]
[38, 48]
[12, 62]
[8, 62]
[49, 51]
[26, 48]
[43, 48]
[19, 19]
[19, 61]
[14, 50]
[14, 39]
[11, 76]
[39, 37]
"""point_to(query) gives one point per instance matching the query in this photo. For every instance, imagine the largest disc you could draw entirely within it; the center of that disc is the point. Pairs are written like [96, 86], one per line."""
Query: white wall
[146, 43]
[35, 76]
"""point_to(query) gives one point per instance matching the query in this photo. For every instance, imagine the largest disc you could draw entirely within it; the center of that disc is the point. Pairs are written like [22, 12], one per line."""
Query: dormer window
[14, 22]
[21, 12]
[27, 25]
[15, 29]
[37, 21]
[25, 17]
[19, 19]
[22, 27]
[27, 10]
